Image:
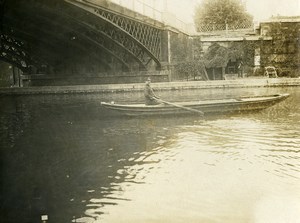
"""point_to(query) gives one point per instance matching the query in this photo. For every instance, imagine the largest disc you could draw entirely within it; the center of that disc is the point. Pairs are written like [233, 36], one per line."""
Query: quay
[182, 85]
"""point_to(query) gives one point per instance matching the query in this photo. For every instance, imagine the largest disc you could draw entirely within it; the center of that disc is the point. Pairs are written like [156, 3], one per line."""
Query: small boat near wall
[215, 106]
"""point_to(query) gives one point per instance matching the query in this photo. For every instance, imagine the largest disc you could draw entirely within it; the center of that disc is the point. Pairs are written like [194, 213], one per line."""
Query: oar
[182, 107]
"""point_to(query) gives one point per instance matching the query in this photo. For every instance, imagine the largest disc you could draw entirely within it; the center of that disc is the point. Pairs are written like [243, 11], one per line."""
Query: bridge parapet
[143, 12]
[142, 8]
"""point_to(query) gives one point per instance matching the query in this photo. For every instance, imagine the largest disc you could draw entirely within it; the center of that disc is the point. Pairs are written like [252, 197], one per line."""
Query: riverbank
[111, 88]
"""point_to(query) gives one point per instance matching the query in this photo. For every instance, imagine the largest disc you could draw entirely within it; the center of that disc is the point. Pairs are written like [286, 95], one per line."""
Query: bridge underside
[72, 38]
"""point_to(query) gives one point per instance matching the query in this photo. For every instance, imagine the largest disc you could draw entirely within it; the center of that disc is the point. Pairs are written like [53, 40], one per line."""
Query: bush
[191, 69]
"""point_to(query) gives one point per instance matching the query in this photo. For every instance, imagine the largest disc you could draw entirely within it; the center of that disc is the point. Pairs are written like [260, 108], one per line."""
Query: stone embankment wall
[283, 51]
[112, 88]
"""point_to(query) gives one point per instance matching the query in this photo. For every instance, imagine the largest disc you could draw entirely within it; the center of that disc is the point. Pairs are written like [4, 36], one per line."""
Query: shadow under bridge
[73, 37]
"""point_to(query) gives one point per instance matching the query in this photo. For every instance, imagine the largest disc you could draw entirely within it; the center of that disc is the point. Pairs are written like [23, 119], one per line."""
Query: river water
[66, 157]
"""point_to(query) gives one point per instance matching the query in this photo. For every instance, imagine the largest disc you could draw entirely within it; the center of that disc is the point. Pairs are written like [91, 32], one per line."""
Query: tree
[194, 68]
[216, 56]
[243, 51]
[221, 12]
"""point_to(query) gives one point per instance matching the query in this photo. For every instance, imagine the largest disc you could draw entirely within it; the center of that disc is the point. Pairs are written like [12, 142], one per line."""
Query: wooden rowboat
[233, 105]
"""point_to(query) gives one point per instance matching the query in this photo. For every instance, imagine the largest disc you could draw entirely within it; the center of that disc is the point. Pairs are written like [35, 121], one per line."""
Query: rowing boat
[230, 105]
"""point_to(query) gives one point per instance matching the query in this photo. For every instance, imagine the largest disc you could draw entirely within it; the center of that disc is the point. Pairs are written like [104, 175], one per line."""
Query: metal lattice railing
[131, 37]
[149, 36]
[15, 52]
[150, 9]
[210, 27]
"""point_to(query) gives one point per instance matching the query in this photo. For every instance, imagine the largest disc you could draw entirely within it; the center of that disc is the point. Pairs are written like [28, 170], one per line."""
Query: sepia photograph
[150, 111]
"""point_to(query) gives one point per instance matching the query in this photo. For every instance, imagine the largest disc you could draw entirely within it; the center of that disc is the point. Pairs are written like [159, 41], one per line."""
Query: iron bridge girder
[98, 38]
[119, 36]
[16, 52]
[31, 32]
[79, 33]
[142, 40]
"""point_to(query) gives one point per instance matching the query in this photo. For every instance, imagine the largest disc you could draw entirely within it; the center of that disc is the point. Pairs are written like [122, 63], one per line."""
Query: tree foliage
[219, 56]
[221, 12]
[194, 69]
[216, 56]
[244, 51]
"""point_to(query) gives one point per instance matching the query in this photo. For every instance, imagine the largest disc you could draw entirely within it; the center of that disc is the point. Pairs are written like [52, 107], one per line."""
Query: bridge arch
[54, 30]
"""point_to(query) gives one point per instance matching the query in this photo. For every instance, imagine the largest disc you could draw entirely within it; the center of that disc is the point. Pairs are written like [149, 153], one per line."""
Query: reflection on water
[217, 171]
[65, 157]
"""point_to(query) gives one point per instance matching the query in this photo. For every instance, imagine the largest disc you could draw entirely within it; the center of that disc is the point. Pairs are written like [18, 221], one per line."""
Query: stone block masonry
[162, 86]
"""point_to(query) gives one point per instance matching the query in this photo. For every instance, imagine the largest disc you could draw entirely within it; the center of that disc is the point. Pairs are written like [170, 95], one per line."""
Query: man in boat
[150, 97]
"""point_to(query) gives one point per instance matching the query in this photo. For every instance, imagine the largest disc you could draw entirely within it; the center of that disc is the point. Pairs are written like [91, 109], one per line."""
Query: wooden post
[223, 73]
[226, 27]
[14, 76]
[19, 78]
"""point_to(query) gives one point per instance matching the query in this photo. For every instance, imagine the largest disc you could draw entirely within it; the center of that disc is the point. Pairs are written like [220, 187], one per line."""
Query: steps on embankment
[111, 88]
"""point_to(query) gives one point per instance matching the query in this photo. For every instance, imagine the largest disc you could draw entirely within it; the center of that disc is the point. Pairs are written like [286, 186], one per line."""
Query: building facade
[283, 51]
